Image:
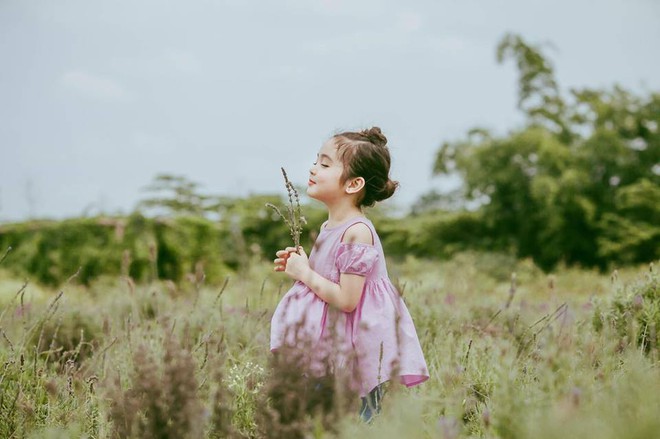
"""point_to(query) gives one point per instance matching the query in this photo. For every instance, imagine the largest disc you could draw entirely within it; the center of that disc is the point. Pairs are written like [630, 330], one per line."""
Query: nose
[312, 170]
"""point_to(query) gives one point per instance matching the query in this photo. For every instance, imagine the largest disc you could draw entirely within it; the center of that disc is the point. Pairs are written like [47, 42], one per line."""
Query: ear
[354, 185]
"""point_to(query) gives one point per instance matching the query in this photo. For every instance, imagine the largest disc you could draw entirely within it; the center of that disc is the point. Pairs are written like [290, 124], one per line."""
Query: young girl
[345, 280]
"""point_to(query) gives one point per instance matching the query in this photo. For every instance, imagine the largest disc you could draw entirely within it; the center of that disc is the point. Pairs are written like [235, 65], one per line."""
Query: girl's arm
[347, 293]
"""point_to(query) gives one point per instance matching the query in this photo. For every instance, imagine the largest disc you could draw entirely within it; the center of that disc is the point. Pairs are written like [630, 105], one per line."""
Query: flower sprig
[293, 218]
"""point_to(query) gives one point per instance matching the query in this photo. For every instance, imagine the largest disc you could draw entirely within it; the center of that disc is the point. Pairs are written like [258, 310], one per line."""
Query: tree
[578, 182]
[176, 195]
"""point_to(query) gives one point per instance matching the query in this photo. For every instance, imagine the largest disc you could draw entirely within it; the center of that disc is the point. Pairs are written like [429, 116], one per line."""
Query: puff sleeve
[356, 258]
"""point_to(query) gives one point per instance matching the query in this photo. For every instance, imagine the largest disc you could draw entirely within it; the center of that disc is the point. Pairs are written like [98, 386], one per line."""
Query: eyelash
[322, 165]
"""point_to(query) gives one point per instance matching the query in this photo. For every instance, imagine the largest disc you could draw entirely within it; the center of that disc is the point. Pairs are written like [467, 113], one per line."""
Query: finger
[281, 253]
[291, 250]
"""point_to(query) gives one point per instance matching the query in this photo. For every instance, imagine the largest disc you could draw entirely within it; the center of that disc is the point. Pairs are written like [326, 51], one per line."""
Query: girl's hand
[297, 264]
[282, 257]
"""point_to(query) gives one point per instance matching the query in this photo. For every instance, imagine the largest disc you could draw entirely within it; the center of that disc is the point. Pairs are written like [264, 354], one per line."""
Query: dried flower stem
[293, 218]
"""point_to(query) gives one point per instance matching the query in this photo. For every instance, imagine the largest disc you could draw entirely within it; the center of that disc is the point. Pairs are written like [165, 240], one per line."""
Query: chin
[311, 194]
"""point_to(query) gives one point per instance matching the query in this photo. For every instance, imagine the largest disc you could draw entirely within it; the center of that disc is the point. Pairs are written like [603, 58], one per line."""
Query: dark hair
[365, 154]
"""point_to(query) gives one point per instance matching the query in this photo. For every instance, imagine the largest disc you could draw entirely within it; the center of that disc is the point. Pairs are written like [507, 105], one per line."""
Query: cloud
[94, 86]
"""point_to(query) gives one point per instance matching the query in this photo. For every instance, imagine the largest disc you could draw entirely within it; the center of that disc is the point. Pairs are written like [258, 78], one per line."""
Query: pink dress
[379, 332]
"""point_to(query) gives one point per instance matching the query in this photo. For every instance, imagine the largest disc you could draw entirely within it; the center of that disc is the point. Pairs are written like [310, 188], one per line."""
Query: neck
[340, 212]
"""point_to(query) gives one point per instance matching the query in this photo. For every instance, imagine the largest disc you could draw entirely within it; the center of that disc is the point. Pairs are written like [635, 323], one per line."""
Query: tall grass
[570, 354]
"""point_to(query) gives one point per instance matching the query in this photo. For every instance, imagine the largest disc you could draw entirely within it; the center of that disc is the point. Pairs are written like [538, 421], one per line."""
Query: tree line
[577, 183]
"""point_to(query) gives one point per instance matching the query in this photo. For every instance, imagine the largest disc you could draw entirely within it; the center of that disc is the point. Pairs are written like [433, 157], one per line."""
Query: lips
[310, 182]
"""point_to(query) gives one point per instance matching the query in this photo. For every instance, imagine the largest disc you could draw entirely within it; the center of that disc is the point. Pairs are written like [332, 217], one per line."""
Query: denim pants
[371, 404]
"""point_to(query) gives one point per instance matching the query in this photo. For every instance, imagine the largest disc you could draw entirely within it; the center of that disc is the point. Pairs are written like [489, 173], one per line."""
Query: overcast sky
[97, 97]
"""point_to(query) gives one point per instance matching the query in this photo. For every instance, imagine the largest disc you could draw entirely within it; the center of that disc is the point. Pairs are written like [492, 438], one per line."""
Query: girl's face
[325, 174]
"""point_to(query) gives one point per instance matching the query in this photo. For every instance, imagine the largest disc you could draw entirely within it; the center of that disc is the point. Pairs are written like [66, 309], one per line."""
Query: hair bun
[390, 187]
[375, 136]
[386, 191]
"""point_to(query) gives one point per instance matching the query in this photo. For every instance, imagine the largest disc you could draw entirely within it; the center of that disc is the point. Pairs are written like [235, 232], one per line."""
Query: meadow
[144, 326]
[513, 352]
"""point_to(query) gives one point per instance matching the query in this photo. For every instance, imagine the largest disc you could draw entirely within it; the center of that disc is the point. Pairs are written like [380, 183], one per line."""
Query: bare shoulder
[358, 233]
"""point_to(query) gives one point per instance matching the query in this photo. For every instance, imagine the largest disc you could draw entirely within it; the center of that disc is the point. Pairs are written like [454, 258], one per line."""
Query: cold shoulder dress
[380, 331]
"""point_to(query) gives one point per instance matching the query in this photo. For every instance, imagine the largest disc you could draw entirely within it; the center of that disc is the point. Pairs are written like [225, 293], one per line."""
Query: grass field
[531, 355]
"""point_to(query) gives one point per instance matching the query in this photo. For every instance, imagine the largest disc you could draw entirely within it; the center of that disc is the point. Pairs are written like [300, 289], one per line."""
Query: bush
[145, 249]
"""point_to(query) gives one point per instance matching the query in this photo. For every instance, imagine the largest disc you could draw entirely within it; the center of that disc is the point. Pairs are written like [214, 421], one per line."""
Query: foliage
[176, 195]
[435, 234]
[145, 248]
[578, 183]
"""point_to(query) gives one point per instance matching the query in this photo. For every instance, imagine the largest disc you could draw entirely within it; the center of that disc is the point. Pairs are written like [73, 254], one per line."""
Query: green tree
[577, 183]
[175, 195]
